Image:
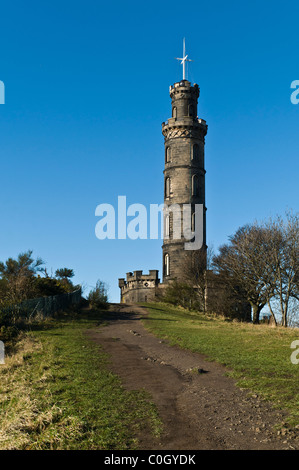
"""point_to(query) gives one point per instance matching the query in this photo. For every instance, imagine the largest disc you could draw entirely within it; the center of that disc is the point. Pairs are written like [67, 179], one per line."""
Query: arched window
[167, 226]
[195, 153]
[190, 110]
[174, 112]
[166, 265]
[195, 185]
[167, 155]
[202, 186]
[167, 187]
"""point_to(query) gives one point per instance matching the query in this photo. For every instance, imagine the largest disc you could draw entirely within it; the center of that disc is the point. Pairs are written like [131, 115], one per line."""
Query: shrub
[181, 294]
[45, 286]
[98, 297]
[8, 333]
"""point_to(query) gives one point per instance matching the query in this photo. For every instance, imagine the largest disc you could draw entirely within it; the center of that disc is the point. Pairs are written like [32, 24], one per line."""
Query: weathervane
[184, 59]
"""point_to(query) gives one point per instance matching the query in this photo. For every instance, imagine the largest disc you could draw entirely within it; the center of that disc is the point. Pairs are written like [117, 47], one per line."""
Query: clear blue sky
[86, 92]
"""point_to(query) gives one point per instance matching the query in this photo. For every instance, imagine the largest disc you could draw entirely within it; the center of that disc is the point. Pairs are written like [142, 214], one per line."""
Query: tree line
[257, 268]
[26, 277]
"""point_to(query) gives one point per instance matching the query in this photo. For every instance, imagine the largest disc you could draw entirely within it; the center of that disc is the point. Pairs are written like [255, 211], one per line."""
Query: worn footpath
[200, 406]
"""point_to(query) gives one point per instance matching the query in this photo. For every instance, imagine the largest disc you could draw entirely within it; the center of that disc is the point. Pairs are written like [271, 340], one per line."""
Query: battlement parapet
[138, 286]
[138, 275]
[173, 127]
[184, 87]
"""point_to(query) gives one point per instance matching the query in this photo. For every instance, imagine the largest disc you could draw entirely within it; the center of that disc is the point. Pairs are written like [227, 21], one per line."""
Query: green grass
[57, 393]
[258, 356]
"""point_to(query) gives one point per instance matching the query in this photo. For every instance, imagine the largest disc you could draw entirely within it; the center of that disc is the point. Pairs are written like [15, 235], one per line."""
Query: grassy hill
[258, 356]
[57, 392]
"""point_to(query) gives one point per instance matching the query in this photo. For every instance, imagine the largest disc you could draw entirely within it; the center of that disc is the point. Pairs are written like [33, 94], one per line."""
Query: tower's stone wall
[184, 173]
[184, 183]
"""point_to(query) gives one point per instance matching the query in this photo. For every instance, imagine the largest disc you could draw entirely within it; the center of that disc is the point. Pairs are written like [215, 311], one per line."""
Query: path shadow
[122, 312]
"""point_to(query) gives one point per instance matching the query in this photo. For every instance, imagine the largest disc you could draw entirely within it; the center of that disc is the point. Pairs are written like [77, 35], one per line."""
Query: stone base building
[139, 287]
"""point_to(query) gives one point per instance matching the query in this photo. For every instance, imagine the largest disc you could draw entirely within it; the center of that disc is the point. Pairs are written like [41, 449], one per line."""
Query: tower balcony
[186, 122]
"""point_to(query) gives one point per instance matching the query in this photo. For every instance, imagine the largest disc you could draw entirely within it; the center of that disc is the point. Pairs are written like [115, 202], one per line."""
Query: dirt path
[203, 410]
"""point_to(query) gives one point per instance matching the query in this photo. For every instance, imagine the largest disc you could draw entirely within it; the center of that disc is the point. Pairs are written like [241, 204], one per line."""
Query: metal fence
[42, 306]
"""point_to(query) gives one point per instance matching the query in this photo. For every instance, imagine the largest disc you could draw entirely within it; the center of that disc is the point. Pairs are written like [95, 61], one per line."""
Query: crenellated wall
[139, 287]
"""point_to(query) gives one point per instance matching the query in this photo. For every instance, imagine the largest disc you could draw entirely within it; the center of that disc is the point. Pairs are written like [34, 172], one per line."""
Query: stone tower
[184, 174]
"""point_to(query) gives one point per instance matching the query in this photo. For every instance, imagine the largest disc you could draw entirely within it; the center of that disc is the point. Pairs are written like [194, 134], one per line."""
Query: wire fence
[41, 307]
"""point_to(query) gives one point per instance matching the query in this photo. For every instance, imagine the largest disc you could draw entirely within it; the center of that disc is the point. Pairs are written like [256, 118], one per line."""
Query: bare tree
[243, 264]
[263, 260]
[195, 267]
[284, 260]
[293, 313]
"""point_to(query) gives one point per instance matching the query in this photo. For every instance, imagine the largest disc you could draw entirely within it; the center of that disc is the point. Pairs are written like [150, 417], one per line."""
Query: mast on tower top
[184, 59]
